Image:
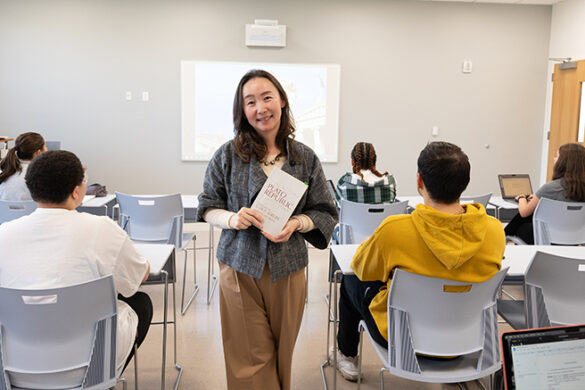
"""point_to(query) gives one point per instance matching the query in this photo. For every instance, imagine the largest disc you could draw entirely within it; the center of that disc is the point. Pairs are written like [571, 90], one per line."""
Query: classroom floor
[199, 349]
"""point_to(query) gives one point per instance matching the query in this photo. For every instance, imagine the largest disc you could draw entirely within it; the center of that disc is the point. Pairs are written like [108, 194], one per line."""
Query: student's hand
[245, 218]
[291, 226]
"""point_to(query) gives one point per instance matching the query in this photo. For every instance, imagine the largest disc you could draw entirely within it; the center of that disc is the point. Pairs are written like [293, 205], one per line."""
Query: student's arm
[147, 273]
[526, 205]
[372, 260]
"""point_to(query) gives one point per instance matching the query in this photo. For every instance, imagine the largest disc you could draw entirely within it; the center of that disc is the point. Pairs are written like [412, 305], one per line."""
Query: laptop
[513, 185]
[546, 358]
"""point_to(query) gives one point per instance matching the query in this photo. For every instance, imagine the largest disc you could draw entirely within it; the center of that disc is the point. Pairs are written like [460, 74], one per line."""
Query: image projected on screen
[208, 88]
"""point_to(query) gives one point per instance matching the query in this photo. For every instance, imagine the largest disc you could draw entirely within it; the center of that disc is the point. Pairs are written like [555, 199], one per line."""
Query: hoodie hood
[453, 239]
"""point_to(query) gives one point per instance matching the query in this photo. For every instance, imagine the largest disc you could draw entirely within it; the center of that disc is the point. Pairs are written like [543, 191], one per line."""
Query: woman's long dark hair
[24, 148]
[247, 141]
[571, 166]
[364, 157]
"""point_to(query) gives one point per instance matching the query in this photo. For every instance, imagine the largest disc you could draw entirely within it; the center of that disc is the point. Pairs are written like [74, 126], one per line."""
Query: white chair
[10, 210]
[554, 288]
[159, 219]
[62, 338]
[481, 199]
[438, 317]
[561, 223]
[357, 221]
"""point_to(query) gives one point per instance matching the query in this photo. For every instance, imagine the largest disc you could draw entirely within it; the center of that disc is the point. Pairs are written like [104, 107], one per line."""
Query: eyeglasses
[85, 177]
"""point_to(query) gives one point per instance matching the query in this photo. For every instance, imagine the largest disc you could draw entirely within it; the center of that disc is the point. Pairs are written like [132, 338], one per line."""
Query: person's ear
[419, 181]
[76, 194]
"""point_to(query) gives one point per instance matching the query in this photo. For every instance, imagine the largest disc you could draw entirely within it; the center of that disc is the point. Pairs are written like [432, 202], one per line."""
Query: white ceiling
[527, 2]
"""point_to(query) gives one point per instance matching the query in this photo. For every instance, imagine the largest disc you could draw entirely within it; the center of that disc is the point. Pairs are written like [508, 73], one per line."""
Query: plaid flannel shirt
[352, 188]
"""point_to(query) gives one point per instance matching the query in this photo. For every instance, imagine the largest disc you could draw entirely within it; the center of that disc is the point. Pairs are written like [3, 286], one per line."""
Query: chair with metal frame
[357, 221]
[481, 199]
[159, 219]
[10, 210]
[559, 223]
[465, 326]
[554, 223]
[59, 338]
[554, 288]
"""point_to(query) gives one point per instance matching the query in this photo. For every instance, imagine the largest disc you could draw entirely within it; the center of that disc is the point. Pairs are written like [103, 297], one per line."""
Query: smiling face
[262, 107]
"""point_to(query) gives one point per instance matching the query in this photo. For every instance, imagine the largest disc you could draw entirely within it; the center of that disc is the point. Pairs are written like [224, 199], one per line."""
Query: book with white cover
[277, 200]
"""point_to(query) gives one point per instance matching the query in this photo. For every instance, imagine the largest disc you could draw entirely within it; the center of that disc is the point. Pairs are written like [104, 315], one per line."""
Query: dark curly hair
[571, 166]
[52, 176]
[363, 156]
[247, 142]
[445, 171]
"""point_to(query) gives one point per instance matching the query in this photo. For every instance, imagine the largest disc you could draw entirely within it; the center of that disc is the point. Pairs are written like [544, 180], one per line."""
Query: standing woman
[13, 167]
[366, 184]
[567, 185]
[262, 280]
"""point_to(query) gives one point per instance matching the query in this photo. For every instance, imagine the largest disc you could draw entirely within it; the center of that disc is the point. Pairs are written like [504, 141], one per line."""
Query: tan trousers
[260, 321]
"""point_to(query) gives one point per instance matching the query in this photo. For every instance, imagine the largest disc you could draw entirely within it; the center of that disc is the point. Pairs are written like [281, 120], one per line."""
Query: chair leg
[123, 380]
[135, 366]
[307, 284]
[382, 377]
[184, 306]
[211, 277]
[360, 358]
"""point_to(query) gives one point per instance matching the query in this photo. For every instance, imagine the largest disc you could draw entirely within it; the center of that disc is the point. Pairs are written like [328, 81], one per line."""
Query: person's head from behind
[260, 111]
[444, 171]
[56, 178]
[363, 156]
[26, 147]
[570, 165]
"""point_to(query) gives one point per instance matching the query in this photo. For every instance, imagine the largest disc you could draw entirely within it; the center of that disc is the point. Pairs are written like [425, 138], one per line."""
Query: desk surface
[517, 257]
[98, 202]
[499, 202]
[156, 254]
[343, 255]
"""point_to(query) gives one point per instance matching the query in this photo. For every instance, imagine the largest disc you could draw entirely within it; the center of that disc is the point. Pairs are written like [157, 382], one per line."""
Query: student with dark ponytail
[366, 184]
[13, 167]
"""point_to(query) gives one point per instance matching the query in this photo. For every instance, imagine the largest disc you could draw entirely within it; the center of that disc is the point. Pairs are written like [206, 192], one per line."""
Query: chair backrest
[481, 199]
[10, 210]
[59, 338]
[557, 222]
[152, 218]
[554, 291]
[442, 317]
[357, 221]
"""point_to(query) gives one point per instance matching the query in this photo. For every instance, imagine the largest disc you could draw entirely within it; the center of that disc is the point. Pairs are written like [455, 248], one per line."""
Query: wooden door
[564, 117]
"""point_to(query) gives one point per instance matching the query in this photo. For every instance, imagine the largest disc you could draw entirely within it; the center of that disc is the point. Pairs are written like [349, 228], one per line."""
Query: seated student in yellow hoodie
[441, 238]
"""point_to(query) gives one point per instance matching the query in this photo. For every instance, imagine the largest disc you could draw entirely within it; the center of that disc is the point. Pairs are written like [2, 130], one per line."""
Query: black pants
[521, 227]
[355, 297]
[142, 306]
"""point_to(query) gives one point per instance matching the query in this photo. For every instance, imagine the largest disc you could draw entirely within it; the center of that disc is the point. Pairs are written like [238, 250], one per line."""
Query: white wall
[566, 40]
[65, 66]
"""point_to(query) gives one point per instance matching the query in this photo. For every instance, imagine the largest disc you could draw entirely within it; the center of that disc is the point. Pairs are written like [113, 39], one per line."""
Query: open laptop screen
[514, 185]
[547, 358]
